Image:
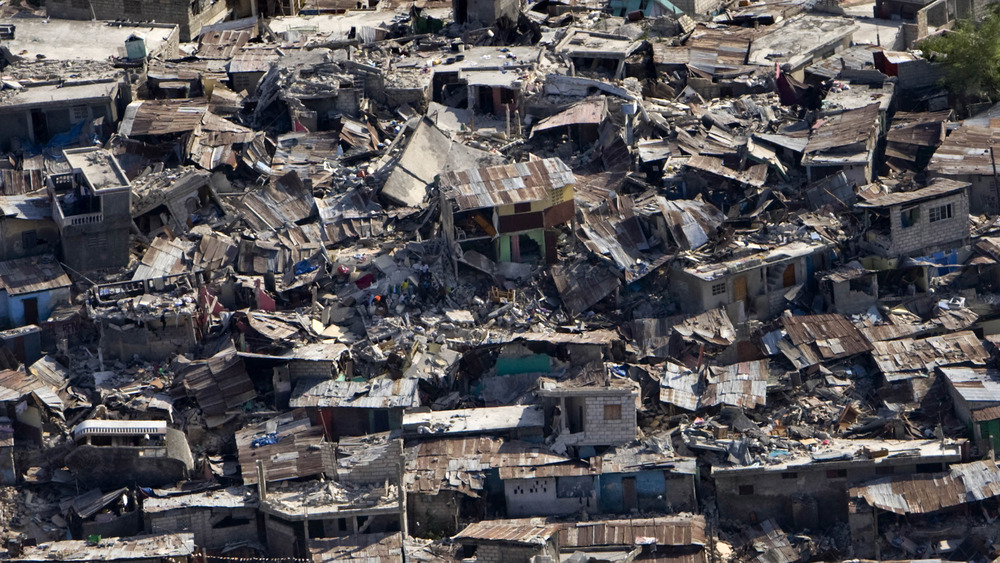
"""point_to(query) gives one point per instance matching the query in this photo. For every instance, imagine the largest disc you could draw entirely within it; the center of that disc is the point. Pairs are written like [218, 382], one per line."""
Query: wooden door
[629, 495]
[788, 278]
[740, 288]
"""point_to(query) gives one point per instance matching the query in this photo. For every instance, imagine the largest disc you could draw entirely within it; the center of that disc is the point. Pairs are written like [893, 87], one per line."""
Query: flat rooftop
[486, 419]
[41, 95]
[53, 39]
[796, 41]
[98, 166]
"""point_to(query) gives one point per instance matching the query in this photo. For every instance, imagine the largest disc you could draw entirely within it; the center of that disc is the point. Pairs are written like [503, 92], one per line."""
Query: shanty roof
[222, 44]
[164, 257]
[586, 112]
[91, 502]
[524, 531]
[844, 129]
[741, 385]
[220, 383]
[755, 175]
[506, 184]
[907, 358]
[459, 463]
[378, 393]
[289, 446]
[112, 549]
[660, 531]
[926, 493]
[252, 60]
[162, 117]
[925, 129]
[368, 548]
[940, 187]
[965, 152]
[33, 274]
[475, 420]
[16, 384]
[813, 339]
[691, 223]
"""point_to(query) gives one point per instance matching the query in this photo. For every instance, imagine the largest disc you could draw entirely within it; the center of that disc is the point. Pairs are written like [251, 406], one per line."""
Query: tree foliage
[970, 54]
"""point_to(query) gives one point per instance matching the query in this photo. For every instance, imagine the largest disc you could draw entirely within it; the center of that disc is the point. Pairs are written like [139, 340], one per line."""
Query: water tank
[135, 47]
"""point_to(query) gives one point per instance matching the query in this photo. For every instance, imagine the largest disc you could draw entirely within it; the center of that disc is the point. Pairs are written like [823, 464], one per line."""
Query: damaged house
[509, 212]
[91, 206]
[923, 222]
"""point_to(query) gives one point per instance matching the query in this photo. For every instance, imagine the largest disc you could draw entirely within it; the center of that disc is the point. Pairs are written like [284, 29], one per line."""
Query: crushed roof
[378, 393]
[926, 493]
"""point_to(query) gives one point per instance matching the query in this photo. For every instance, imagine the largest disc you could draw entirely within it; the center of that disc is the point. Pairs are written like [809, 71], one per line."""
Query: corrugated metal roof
[162, 117]
[506, 184]
[965, 152]
[907, 358]
[755, 175]
[665, 531]
[164, 257]
[939, 188]
[844, 129]
[526, 531]
[222, 44]
[28, 275]
[298, 451]
[586, 112]
[927, 493]
[460, 463]
[819, 338]
[975, 385]
[366, 548]
[741, 385]
[220, 383]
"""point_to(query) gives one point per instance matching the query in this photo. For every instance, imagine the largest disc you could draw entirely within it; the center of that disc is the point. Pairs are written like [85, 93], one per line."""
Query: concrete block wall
[600, 432]
[384, 467]
[432, 514]
[500, 553]
[418, 98]
[918, 74]
[925, 235]
[299, 369]
[162, 11]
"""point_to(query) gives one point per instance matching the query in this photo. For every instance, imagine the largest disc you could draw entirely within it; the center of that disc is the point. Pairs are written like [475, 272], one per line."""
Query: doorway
[31, 311]
[39, 126]
[629, 495]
